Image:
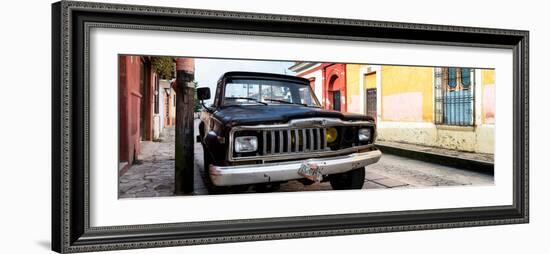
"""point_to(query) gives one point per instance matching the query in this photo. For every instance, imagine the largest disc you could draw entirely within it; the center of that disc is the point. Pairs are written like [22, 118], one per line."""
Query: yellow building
[441, 107]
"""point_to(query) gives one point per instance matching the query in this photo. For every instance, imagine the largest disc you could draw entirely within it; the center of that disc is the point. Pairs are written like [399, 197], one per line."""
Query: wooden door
[336, 101]
[371, 102]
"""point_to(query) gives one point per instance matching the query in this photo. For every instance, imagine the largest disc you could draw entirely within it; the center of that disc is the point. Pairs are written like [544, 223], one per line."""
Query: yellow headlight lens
[332, 134]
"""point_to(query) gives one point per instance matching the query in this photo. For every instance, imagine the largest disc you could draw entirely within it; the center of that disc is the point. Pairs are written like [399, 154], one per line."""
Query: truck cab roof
[261, 75]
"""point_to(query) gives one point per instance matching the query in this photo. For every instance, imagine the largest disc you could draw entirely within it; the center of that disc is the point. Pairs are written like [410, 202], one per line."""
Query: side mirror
[203, 93]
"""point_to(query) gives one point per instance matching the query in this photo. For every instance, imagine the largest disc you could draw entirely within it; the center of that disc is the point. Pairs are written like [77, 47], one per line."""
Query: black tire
[212, 189]
[351, 180]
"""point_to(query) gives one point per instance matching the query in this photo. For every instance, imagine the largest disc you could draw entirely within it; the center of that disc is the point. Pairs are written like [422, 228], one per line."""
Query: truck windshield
[260, 91]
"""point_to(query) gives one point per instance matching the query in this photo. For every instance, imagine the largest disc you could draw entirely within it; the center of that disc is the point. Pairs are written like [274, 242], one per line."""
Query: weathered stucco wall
[407, 93]
[353, 89]
[488, 101]
[478, 139]
[407, 111]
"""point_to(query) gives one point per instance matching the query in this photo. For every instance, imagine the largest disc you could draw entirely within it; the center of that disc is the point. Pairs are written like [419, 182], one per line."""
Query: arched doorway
[334, 93]
[335, 87]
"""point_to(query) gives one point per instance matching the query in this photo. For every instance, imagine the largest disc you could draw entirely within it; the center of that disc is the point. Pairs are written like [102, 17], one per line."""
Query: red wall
[335, 80]
[149, 97]
[335, 73]
[129, 108]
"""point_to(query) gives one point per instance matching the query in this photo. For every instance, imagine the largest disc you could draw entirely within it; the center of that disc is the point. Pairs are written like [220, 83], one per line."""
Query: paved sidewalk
[465, 160]
[485, 157]
[153, 175]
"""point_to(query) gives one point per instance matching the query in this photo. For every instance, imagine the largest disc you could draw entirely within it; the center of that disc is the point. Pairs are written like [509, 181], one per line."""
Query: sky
[208, 70]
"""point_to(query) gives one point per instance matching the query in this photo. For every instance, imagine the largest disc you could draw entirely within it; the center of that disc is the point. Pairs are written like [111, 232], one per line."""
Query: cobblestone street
[153, 176]
[397, 172]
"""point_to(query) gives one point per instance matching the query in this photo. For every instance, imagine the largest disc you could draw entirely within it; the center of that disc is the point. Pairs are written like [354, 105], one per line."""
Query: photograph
[204, 126]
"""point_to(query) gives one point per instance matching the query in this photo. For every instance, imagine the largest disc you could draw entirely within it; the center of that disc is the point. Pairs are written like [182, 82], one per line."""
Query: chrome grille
[293, 141]
[298, 139]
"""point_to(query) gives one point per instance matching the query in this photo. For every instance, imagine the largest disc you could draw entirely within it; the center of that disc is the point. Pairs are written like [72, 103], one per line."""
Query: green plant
[163, 66]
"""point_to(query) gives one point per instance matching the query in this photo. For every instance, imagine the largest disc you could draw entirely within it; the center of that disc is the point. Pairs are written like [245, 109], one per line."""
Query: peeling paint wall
[472, 139]
[353, 89]
[403, 107]
[488, 101]
[407, 111]
[413, 82]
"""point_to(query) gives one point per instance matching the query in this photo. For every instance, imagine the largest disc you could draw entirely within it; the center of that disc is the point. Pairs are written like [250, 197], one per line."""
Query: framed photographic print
[179, 126]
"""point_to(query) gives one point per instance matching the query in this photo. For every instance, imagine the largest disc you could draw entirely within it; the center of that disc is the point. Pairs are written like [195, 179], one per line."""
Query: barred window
[465, 77]
[451, 77]
[454, 96]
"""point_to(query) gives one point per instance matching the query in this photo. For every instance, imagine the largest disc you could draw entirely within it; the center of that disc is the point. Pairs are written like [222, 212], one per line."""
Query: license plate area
[310, 171]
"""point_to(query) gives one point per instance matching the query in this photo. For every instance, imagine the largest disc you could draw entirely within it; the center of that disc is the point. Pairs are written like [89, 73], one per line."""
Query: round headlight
[332, 134]
[365, 134]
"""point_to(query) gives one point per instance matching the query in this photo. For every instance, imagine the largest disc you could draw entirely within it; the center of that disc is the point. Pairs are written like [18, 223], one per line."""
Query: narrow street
[153, 176]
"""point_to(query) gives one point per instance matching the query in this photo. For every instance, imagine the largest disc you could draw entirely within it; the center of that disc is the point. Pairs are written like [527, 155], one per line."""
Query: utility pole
[185, 102]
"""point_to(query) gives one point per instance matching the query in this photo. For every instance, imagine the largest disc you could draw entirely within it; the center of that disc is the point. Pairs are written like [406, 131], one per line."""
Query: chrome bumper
[284, 171]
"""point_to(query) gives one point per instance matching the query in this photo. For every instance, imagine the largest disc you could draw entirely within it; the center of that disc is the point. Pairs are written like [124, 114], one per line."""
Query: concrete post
[185, 101]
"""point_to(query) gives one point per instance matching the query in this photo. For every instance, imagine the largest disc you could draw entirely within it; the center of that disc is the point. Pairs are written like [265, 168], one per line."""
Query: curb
[445, 160]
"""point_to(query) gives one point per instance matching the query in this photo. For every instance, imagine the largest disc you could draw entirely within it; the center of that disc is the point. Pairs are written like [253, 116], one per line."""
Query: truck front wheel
[353, 179]
[212, 189]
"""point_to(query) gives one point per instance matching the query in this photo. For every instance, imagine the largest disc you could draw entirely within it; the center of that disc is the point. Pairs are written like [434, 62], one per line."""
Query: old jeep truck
[265, 129]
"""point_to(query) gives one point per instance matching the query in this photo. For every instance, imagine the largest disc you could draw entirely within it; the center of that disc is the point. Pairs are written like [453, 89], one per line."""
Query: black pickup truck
[265, 129]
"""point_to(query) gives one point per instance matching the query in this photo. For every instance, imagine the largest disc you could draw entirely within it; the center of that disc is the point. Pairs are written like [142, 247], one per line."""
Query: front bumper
[284, 171]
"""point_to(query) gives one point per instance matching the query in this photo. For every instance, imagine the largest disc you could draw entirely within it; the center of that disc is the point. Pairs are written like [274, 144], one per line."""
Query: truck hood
[261, 114]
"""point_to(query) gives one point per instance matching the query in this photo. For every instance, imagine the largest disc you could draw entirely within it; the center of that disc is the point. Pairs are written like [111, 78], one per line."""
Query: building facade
[328, 82]
[142, 106]
[168, 106]
[441, 107]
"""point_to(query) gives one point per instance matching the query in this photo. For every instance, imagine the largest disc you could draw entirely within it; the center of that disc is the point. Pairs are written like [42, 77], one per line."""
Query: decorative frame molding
[71, 22]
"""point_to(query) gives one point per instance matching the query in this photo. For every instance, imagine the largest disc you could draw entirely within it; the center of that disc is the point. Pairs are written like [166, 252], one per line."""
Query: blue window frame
[465, 77]
[454, 96]
[452, 77]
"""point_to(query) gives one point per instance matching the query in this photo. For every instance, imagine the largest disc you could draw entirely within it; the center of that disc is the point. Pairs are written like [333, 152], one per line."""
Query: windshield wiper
[245, 98]
[285, 102]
